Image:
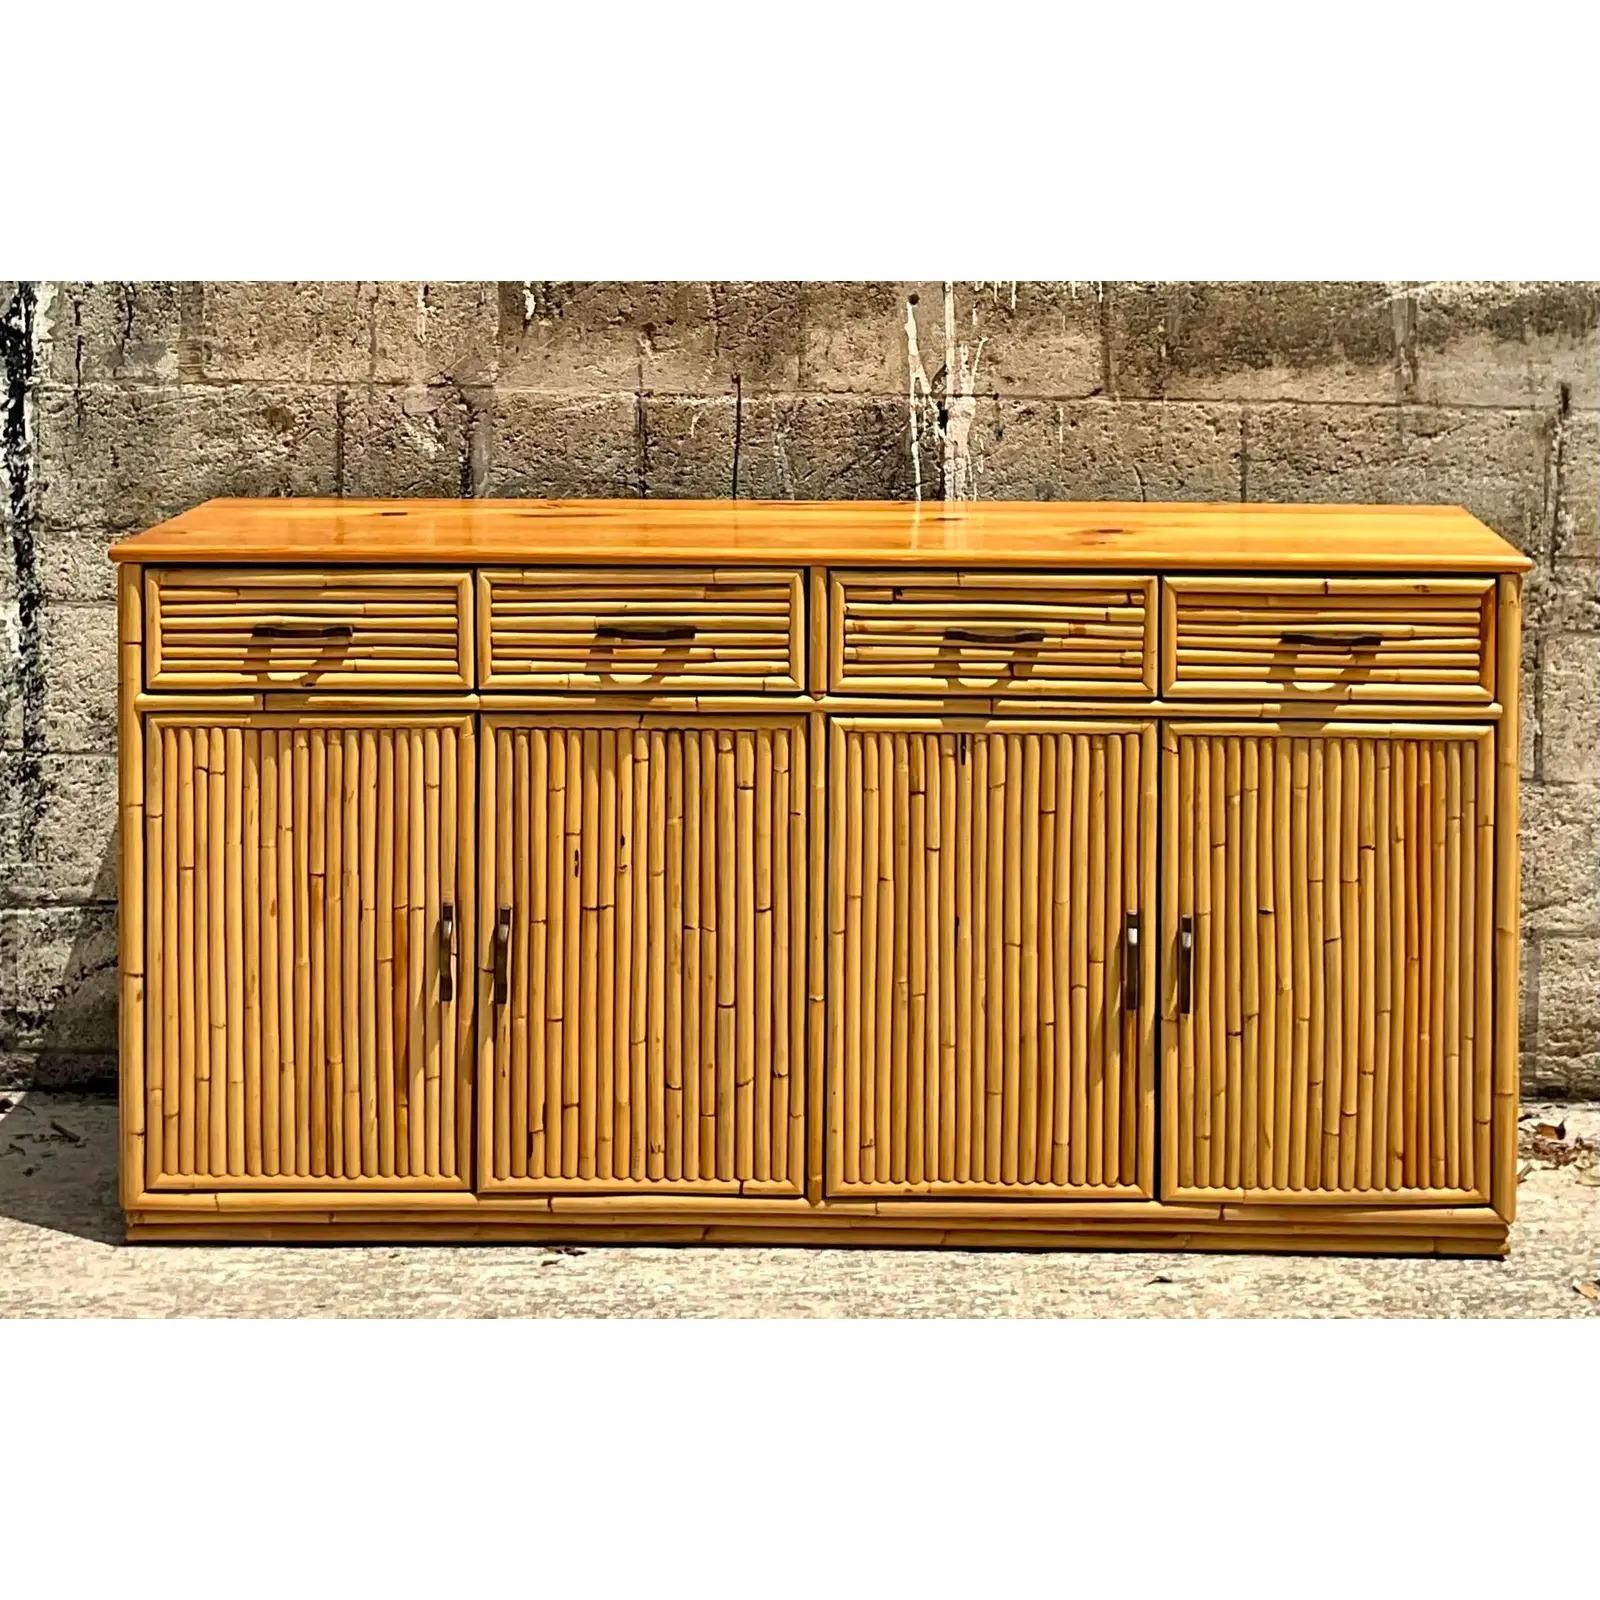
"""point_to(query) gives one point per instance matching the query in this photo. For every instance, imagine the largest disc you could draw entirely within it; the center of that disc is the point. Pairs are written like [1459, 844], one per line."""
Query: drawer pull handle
[1185, 965]
[645, 631]
[1334, 641]
[447, 953]
[1130, 963]
[994, 636]
[303, 630]
[502, 956]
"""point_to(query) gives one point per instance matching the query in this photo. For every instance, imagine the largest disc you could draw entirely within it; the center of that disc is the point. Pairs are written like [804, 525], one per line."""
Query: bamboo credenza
[1000, 874]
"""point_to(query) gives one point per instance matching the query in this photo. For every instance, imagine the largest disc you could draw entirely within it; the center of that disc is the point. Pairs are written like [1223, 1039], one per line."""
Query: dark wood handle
[303, 630]
[1130, 962]
[994, 636]
[447, 953]
[502, 956]
[1334, 641]
[1185, 965]
[646, 631]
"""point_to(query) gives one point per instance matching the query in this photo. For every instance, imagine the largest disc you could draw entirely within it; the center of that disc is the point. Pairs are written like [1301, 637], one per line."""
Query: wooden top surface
[862, 533]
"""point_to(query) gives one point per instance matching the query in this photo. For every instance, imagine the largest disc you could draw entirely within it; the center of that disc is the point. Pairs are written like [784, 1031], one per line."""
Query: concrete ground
[62, 1255]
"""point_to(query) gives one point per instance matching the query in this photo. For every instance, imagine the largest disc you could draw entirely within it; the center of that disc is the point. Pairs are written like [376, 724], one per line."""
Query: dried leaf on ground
[1588, 1288]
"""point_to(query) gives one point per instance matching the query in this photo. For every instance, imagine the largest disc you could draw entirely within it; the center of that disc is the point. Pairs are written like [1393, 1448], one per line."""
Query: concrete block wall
[126, 402]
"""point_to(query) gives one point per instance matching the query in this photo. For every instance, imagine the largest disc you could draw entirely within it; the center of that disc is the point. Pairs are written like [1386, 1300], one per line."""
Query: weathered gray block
[1569, 1001]
[1562, 597]
[409, 441]
[1511, 344]
[1577, 519]
[349, 332]
[1569, 708]
[594, 338]
[1561, 856]
[1492, 462]
[854, 339]
[126, 458]
[964, 338]
[118, 332]
[546, 445]
[1098, 450]
[75, 564]
[1257, 341]
[816, 447]
[58, 829]
[58, 978]
[79, 646]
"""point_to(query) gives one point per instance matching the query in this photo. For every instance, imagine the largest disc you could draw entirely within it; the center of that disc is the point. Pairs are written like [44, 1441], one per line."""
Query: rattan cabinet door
[991, 998]
[308, 883]
[1328, 924]
[642, 937]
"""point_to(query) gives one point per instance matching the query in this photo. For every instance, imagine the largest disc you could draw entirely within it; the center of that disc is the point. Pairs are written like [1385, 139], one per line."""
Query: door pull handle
[502, 956]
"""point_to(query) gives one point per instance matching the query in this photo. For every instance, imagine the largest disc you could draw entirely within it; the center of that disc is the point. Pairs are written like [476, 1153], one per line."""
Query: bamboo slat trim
[984, 632]
[307, 628]
[616, 630]
[1308, 639]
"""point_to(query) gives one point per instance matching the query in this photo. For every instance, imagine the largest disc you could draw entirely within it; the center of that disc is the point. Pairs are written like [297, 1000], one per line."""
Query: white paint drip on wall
[952, 429]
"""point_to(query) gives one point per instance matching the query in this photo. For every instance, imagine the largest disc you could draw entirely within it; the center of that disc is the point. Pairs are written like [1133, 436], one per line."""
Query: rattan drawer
[640, 631]
[1329, 639]
[307, 628]
[990, 633]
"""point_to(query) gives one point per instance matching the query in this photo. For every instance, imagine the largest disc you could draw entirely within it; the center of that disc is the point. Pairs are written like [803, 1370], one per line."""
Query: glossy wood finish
[987, 1036]
[1328, 1034]
[844, 533]
[299, 1034]
[646, 1026]
[676, 726]
[230, 627]
[967, 632]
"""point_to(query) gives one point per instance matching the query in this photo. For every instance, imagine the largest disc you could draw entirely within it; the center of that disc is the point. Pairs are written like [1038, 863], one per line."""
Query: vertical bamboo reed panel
[761, 1009]
[605, 974]
[171, 1006]
[191, 1031]
[712, 866]
[982, 1044]
[333, 951]
[915, 896]
[1332, 877]
[143, 1158]
[316, 1052]
[571, 913]
[586, 869]
[351, 972]
[945, 917]
[1252, 1145]
[1022, 1112]
[277, 825]
[1044, 987]
[655, 875]
[205, 946]
[368, 953]
[622, 1031]
[1179, 1080]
